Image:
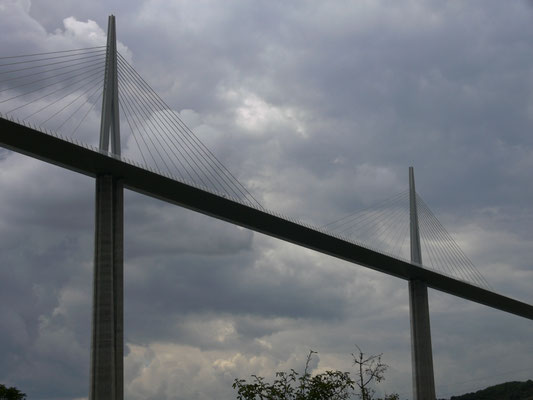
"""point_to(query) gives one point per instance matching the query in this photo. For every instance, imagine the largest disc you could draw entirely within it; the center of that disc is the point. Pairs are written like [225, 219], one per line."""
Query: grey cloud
[319, 108]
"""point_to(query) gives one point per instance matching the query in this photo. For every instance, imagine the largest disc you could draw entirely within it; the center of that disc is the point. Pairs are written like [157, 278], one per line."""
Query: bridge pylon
[421, 351]
[107, 341]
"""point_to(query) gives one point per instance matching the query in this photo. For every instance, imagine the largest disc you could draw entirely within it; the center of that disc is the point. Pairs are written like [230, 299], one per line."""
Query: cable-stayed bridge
[50, 108]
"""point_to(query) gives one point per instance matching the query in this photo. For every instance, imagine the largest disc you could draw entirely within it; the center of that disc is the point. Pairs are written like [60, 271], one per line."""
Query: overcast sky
[319, 108]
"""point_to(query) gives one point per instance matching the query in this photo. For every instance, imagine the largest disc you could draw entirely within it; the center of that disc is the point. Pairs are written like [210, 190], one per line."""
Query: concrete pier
[421, 351]
[107, 347]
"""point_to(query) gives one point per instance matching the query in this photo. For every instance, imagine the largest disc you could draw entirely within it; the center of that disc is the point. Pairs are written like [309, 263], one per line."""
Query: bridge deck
[65, 154]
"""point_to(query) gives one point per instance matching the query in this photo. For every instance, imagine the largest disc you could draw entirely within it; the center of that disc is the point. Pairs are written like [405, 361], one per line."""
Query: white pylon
[110, 124]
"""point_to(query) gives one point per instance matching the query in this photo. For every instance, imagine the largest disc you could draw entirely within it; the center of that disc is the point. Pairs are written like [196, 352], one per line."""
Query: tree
[330, 385]
[370, 370]
[11, 393]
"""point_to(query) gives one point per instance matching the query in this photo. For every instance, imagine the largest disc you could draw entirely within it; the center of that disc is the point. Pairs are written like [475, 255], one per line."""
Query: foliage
[334, 385]
[504, 391]
[11, 393]
[329, 385]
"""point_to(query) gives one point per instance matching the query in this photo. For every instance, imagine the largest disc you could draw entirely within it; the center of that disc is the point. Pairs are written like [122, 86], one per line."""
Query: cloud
[319, 108]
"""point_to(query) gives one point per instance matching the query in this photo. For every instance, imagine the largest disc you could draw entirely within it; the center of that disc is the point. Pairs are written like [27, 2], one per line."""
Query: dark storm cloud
[44, 263]
[319, 108]
[425, 88]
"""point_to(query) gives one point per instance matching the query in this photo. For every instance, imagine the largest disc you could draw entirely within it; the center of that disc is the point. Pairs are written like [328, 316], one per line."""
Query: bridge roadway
[34, 143]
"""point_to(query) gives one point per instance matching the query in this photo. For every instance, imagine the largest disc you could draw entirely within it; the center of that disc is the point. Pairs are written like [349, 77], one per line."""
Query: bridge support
[421, 352]
[107, 342]
[107, 347]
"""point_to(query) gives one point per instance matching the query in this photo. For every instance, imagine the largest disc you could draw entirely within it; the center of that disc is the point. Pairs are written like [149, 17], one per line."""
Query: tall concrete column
[107, 347]
[107, 342]
[421, 352]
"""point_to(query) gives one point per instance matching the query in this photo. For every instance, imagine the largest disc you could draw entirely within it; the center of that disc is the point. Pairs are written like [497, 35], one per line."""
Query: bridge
[196, 180]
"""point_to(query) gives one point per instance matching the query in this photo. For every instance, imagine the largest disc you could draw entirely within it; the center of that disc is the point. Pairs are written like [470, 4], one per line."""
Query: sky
[318, 108]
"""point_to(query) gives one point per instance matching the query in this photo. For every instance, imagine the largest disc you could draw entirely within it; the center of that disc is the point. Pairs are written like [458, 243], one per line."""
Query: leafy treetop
[329, 385]
[11, 393]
